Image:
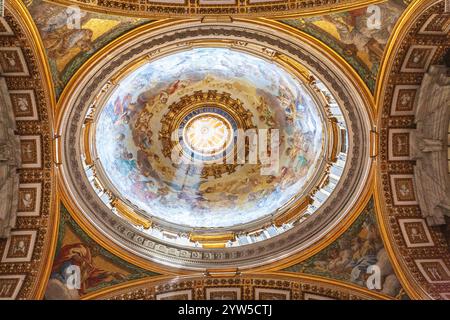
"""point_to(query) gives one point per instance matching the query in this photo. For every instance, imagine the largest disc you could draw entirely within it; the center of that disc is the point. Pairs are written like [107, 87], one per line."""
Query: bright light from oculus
[208, 134]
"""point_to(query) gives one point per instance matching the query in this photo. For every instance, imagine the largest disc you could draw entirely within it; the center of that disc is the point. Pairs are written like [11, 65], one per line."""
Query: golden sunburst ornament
[208, 134]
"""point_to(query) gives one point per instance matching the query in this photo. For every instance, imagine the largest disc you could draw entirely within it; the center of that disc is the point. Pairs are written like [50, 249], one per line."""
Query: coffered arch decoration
[264, 286]
[127, 229]
[412, 178]
[27, 251]
[219, 9]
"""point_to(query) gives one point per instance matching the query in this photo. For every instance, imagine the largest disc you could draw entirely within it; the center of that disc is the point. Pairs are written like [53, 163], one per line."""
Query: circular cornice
[342, 204]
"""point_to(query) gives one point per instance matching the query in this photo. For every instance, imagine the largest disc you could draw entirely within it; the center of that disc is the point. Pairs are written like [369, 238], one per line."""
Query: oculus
[207, 134]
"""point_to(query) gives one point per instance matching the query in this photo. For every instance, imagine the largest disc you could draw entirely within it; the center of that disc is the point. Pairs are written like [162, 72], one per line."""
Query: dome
[210, 138]
[192, 148]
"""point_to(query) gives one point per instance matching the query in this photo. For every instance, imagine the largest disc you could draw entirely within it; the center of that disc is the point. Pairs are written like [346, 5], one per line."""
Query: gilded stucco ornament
[418, 252]
[10, 161]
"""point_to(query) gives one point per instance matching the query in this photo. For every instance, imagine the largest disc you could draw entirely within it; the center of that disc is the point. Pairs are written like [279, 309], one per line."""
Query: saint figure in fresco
[64, 281]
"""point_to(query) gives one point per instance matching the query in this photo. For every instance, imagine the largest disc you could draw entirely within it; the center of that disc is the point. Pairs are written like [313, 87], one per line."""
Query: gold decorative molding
[374, 139]
[220, 12]
[334, 133]
[86, 137]
[130, 214]
[172, 120]
[294, 212]
[212, 241]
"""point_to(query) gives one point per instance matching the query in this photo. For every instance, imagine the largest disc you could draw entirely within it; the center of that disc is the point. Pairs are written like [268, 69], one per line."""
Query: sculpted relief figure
[429, 145]
[9, 163]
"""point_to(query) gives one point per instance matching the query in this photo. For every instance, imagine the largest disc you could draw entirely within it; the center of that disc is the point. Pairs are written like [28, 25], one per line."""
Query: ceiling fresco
[98, 267]
[349, 256]
[360, 36]
[142, 166]
[71, 37]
